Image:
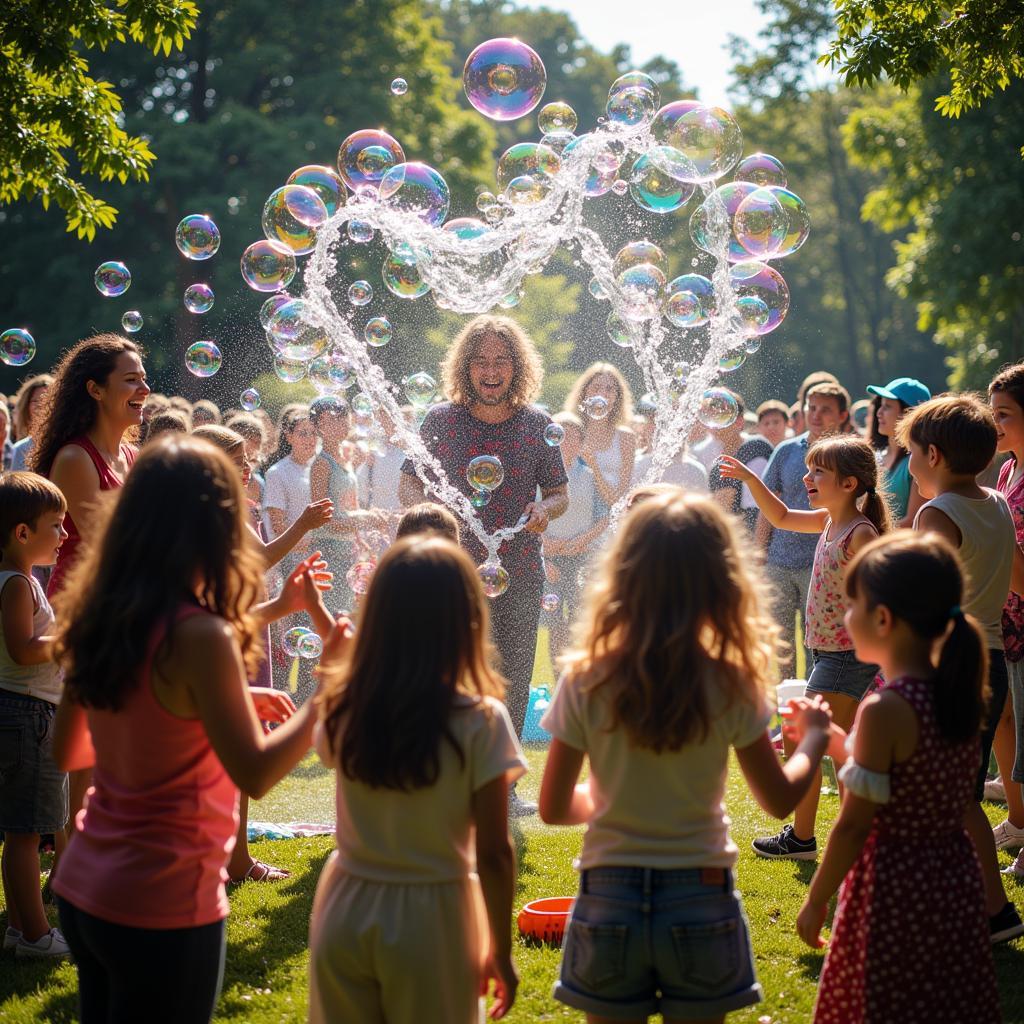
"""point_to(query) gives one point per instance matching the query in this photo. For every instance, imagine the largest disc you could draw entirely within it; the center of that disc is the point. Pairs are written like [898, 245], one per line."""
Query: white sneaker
[1007, 836]
[995, 790]
[1016, 869]
[11, 937]
[50, 945]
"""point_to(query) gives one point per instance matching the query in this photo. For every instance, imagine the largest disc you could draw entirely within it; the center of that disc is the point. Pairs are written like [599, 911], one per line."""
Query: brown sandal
[260, 872]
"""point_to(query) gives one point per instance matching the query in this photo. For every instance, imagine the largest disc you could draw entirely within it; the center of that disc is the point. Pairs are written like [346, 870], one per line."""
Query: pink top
[109, 481]
[159, 822]
[1013, 612]
[826, 596]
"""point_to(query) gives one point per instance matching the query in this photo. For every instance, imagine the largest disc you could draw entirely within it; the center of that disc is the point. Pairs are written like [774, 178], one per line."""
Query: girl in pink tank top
[159, 628]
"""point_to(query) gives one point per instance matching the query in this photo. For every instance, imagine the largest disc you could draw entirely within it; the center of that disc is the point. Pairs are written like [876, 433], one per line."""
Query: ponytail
[847, 456]
[961, 679]
[918, 577]
[876, 509]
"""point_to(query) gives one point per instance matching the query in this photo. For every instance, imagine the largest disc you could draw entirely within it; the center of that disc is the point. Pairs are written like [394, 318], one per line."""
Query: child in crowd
[156, 701]
[34, 792]
[169, 421]
[671, 664]
[910, 938]
[253, 432]
[951, 439]
[773, 421]
[424, 752]
[790, 555]
[427, 517]
[1006, 396]
[846, 513]
[205, 413]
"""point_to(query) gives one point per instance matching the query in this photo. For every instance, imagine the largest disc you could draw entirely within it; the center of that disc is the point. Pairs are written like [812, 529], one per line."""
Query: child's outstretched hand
[316, 514]
[302, 589]
[732, 469]
[338, 641]
[809, 923]
[804, 714]
[271, 705]
[502, 972]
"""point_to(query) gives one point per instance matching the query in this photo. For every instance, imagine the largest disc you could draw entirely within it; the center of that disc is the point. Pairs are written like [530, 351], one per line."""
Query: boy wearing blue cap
[888, 406]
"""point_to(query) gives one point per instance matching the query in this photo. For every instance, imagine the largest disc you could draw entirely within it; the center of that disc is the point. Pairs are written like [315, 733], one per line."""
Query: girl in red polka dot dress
[910, 938]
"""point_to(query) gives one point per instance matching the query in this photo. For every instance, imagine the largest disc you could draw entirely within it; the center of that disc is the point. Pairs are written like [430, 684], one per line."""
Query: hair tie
[871, 490]
[955, 612]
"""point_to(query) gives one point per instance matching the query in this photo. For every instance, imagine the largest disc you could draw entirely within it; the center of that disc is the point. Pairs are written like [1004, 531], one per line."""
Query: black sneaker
[786, 846]
[1005, 925]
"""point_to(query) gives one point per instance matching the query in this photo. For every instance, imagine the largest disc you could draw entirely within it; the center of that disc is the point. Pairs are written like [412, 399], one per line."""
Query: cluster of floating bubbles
[664, 158]
[300, 642]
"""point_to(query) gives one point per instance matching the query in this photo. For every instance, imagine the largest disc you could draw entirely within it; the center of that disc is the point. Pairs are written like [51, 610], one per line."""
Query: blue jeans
[643, 941]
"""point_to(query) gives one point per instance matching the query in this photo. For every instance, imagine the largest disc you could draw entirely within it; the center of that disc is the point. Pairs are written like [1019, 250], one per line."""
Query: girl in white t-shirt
[412, 916]
[671, 660]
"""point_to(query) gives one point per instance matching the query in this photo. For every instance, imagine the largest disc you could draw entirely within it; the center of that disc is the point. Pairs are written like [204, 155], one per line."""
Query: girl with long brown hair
[670, 668]
[159, 630]
[847, 511]
[424, 752]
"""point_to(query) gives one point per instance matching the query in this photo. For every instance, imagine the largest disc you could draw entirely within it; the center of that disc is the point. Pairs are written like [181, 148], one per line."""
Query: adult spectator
[379, 474]
[609, 445]
[491, 375]
[29, 406]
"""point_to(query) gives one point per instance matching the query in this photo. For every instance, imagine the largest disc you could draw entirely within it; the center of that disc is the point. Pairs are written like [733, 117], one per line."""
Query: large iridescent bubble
[761, 169]
[366, 156]
[291, 216]
[653, 189]
[112, 279]
[17, 347]
[203, 359]
[417, 189]
[324, 182]
[759, 281]
[292, 335]
[197, 237]
[504, 79]
[531, 159]
[703, 142]
[268, 266]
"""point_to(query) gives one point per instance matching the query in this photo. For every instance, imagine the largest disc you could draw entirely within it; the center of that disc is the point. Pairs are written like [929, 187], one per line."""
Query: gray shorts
[33, 791]
[642, 941]
[1015, 669]
[840, 672]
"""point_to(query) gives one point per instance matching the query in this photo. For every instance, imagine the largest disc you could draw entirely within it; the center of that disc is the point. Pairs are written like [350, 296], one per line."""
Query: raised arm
[772, 507]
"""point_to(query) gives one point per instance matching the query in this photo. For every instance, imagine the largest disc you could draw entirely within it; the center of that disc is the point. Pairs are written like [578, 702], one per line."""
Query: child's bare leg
[1004, 744]
[844, 711]
[241, 859]
[980, 831]
[21, 885]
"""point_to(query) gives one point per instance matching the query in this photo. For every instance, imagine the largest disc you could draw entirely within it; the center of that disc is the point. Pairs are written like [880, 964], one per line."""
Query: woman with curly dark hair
[94, 403]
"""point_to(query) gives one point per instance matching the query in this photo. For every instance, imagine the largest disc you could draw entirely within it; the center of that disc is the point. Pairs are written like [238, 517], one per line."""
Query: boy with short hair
[951, 439]
[773, 421]
[791, 555]
[34, 794]
[428, 517]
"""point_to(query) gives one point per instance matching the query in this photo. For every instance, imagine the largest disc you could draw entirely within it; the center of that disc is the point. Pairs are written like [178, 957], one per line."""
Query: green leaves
[55, 117]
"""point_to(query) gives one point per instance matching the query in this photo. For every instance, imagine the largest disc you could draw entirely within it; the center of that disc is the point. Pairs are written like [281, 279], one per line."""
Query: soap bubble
[197, 237]
[631, 107]
[360, 231]
[330, 373]
[597, 289]
[550, 602]
[760, 281]
[678, 309]
[493, 578]
[634, 253]
[399, 87]
[249, 399]
[718, 409]
[595, 407]
[359, 575]
[402, 277]
[556, 117]
[480, 499]
[557, 141]
[485, 201]
[291, 638]
[798, 221]
[760, 224]
[531, 159]
[271, 306]
[485, 473]
[413, 188]
[554, 434]
[202, 359]
[268, 266]
[377, 331]
[292, 335]
[198, 298]
[289, 370]
[707, 141]
[640, 289]
[636, 80]
[360, 293]
[652, 188]
[17, 346]
[761, 169]
[310, 646]
[681, 371]
[753, 312]
[752, 344]
[620, 186]
[291, 216]
[131, 321]
[707, 224]
[604, 169]
[366, 156]
[619, 332]
[504, 79]
[112, 278]
[324, 182]
[732, 360]
[362, 404]
[526, 190]
[420, 389]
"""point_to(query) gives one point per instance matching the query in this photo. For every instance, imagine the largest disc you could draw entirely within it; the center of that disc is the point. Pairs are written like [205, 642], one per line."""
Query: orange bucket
[544, 920]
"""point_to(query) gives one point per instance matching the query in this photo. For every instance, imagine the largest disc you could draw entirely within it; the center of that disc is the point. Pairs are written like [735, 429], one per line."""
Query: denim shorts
[840, 672]
[33, 791]
[642, 941]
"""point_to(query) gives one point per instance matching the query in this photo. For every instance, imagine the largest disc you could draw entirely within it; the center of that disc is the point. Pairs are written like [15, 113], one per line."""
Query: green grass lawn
[265, 980]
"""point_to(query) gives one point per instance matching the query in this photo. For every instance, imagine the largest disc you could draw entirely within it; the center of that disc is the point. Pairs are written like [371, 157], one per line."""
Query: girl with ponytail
[897, 952]
[848, 512]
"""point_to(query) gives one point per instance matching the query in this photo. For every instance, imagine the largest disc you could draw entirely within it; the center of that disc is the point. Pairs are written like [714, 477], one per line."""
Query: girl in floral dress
[900, 950]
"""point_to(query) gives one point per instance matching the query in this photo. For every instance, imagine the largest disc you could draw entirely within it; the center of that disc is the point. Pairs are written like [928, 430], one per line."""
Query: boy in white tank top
[951, 439]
